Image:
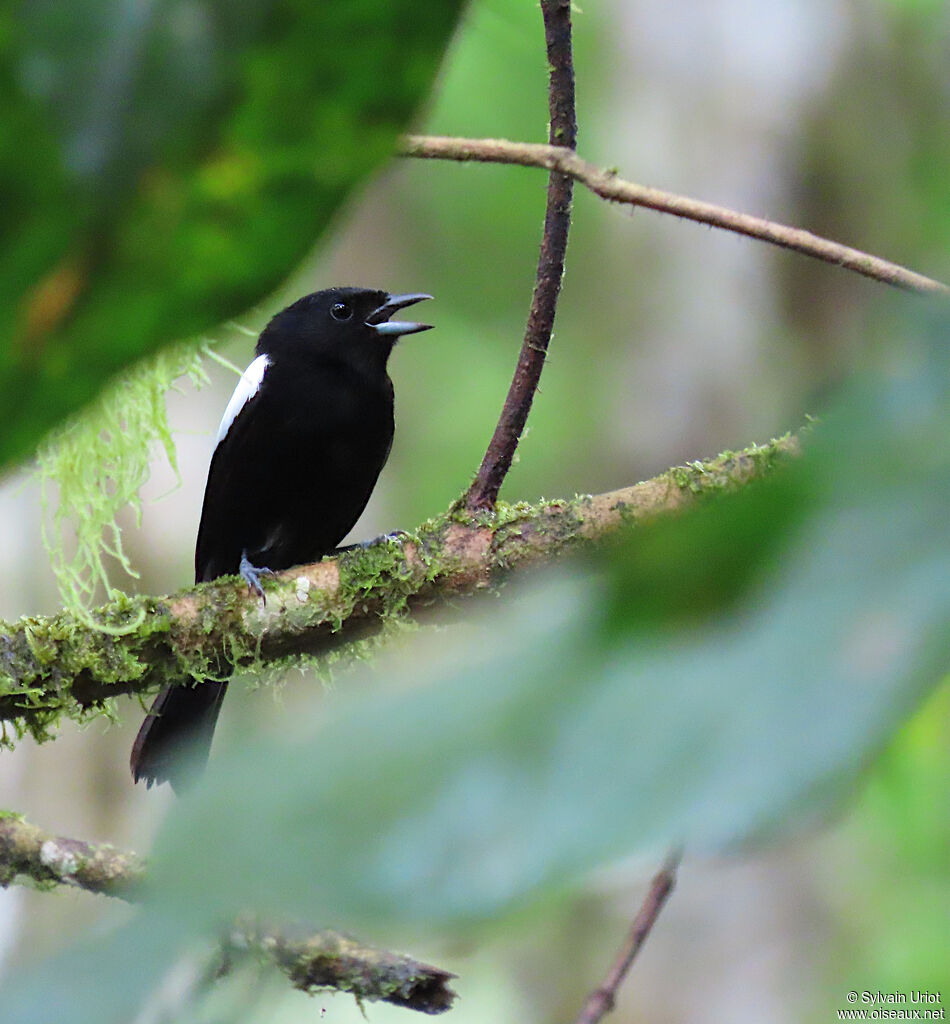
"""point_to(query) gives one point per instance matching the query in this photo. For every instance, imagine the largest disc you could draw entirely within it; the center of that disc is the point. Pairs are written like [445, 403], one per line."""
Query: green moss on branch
[62, 666]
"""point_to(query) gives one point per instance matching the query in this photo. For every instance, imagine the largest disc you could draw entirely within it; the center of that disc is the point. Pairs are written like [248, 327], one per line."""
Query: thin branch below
[311, 960]
[603, 999]
[607, 185]
[63, 666]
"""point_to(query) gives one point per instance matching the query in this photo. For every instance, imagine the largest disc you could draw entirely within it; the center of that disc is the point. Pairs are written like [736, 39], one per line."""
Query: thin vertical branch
[562, 132]
[601, 1001]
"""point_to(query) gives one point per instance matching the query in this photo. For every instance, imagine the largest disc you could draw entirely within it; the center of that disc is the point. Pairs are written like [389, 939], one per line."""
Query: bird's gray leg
[397, 535]
[251, 574]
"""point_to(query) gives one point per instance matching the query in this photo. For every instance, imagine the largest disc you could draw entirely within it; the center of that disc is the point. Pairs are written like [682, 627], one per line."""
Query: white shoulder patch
[247, 388]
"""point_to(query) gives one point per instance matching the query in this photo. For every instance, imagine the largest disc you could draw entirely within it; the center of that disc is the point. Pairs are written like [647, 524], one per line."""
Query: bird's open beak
[380, 322]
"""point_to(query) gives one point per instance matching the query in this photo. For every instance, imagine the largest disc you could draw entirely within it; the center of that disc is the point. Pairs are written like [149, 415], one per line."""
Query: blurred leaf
[554, 745]
[683, 570]
[892, 911]
[103, 979]
[165, 164]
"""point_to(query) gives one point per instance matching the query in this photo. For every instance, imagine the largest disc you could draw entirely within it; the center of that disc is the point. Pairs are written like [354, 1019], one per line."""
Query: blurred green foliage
[893, 907]
[164, 165]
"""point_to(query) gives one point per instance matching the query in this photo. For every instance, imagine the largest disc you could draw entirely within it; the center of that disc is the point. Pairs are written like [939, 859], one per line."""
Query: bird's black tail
[175, 739]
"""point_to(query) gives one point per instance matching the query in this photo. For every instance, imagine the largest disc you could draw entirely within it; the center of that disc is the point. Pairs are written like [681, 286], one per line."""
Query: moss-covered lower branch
[311, 960]
[329, 960]
[63, 665]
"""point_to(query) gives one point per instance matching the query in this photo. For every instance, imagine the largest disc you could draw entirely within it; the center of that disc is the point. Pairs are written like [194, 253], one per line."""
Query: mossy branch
[311, 960]
[51, 667]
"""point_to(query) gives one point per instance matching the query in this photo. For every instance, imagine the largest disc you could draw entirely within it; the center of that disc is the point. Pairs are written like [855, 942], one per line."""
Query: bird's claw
[251, 574]
[400, 536]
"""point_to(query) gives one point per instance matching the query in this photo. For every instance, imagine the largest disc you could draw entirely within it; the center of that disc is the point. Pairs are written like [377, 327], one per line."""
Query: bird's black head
[349, 325]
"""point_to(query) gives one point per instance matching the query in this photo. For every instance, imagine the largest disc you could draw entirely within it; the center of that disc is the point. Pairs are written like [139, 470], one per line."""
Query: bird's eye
[341, 311]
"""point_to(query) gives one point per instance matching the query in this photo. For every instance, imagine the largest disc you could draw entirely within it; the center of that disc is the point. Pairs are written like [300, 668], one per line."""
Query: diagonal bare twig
[557, 221]
[601, 1001]
[609, 186]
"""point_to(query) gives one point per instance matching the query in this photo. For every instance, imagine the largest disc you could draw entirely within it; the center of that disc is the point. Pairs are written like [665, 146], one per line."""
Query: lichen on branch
[55, 860]
[93, 466]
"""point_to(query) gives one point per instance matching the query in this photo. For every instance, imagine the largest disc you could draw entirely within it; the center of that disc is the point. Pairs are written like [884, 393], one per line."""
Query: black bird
[300, 446]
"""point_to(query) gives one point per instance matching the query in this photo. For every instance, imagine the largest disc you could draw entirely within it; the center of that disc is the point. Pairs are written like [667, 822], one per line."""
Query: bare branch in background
[557, 221]
[602, 1000]
[607, 185]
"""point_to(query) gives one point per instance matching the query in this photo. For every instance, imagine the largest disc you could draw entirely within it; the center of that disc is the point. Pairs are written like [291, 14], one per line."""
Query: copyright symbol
[852, 997]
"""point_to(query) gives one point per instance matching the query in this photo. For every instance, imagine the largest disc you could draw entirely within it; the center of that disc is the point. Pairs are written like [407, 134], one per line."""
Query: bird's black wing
[238, 491]
[182, 718]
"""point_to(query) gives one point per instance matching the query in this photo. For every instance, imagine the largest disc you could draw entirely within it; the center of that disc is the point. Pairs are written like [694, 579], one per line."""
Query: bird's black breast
[296, 468]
